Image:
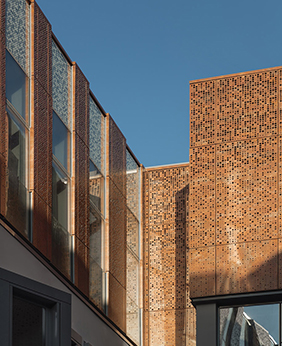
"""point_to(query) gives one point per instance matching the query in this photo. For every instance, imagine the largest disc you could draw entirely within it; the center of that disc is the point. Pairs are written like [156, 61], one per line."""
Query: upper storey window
[17, 56]
[17, 100]
[16, 84]
[60, 141]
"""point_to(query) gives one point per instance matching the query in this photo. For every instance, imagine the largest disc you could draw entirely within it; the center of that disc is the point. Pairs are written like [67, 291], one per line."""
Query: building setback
[95, 249]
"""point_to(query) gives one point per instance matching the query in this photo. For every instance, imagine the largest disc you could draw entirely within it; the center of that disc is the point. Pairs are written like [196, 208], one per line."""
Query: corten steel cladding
[42, 125]
[234, 232]
[3, 117]
[81, 133]
[117, 225]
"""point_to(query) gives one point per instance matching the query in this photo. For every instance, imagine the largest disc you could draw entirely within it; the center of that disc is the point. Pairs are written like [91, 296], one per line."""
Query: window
[17, 193]
[250, 325]
[60, 141]
[60, 234]
[33, 318]
[16, 83]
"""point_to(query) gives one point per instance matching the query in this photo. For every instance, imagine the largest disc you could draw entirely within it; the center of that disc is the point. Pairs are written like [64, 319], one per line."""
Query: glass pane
[95, 236]
[15, 85]
[96, 187]
[60, 198]
[61, 243]
[96, 283]
[132, 310]
[60, 141]
[28, 323]
[132, 235]
[17, 212]
[250, 325]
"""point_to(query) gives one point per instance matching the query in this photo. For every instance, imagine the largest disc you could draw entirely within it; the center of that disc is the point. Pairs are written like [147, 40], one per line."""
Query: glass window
[61, 241]
[15, 85]
[60, 141]
[60, 197]
[17, 212]
[250, 325]
[29, 323]
[96, 187]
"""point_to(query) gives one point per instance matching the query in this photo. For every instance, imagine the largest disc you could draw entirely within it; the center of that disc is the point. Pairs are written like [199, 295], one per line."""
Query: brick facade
[235, 183]
[169, 317]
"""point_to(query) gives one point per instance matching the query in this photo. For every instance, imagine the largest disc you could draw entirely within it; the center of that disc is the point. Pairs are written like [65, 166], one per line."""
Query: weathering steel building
[97, 249]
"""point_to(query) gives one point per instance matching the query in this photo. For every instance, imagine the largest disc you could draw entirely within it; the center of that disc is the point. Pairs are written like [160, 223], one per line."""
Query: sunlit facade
[96, 249]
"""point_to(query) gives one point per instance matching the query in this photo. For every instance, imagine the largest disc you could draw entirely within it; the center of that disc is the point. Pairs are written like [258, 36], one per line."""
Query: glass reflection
[250, 325]
[60, 141]
[16, 188]
[15, 85]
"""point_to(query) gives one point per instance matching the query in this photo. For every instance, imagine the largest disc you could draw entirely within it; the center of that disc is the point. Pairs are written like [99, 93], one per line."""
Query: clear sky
[139, 57]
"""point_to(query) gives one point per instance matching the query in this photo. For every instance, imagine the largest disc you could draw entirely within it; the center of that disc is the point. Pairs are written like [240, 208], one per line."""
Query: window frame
[13, 284]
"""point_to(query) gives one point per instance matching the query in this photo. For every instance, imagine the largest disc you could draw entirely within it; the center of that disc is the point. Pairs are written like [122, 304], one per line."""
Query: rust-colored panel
[42, 226]
[117, 229]
[280, 263]
[202, 271]
[117, 157]
[81, 138]
[81, 190]
[246, 106]
[146, 323]
[247, 267]
[165, 197]
[203, 113]
[3, 116]
[42, 50]
[246, 190]
[191, 327]
[280, 186]
[202, 197]
[81, 259]
[42, 143]
[117, 303]
[81, 125]
[167, 328]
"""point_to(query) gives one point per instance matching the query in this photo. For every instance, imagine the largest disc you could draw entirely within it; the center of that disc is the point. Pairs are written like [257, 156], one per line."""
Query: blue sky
[139, 57]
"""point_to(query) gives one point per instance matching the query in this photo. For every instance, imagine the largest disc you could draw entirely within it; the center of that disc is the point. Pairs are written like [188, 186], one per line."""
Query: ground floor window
[33, 314]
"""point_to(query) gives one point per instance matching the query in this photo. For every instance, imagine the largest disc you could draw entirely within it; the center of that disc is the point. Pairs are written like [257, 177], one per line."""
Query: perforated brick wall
[169, 318]
[235, 183]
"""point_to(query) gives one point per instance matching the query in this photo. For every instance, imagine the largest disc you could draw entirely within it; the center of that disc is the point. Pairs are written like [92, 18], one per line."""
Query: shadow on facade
[181, 214]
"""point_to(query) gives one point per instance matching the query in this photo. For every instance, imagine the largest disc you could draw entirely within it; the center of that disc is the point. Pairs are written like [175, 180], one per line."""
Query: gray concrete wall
[17, 259]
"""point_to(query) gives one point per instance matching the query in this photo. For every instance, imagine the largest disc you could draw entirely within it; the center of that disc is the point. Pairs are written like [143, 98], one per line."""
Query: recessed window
[32, 313]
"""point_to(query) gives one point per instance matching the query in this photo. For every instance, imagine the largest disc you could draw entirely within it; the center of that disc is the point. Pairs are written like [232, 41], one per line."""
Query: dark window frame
[12, 284]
